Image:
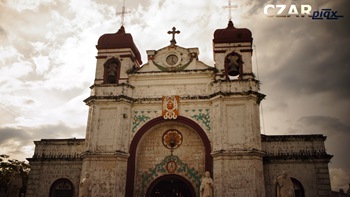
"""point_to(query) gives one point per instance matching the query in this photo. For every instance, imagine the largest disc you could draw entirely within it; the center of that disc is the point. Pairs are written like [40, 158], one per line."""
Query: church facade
[154, 129]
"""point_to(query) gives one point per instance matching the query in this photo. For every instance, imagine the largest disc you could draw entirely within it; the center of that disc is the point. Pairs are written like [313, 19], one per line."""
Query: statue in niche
[284, 185]
[207, 186]
[85, 186]
[112, 73]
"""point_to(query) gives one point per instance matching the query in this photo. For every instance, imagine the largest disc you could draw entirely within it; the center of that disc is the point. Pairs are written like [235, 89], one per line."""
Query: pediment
[173, 58]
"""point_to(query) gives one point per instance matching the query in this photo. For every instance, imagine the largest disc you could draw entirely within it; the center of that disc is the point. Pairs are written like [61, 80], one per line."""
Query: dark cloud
[15, 141]
[327, 124]
[46, 131]
[13, 134]
[318, 66]
[315, 55]
[338, 138]
[56, 131]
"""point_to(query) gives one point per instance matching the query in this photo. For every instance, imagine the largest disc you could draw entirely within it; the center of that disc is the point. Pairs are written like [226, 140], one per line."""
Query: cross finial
[123, 13]
[173, 41]
[230, 6]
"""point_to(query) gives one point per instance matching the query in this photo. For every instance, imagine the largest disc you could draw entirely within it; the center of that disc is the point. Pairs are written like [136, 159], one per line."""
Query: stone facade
[304, 158]
[132, 149]
[55, 160]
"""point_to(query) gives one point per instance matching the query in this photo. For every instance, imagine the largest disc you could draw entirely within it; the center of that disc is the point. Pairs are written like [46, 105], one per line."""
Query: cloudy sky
[47, 63]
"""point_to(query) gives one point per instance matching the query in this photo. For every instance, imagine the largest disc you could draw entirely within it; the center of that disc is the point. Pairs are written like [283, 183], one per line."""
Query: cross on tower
[173, 41]
[123, 13]
[230, 6]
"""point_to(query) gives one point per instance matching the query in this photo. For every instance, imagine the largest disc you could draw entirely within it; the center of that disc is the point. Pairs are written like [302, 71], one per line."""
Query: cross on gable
[123, 13]
[174, 31]
[229, 7]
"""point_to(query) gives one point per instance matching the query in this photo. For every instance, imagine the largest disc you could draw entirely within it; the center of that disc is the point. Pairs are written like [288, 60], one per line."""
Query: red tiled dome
[117, 41]
[232, 34]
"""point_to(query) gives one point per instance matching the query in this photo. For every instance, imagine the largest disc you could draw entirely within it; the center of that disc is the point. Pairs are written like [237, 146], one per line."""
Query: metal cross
[230, 6]
[173, 41]
[123, 13]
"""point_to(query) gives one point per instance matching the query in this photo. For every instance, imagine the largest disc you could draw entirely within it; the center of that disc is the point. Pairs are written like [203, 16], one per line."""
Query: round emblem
[172, 59]
[172, 139]
[171, 166]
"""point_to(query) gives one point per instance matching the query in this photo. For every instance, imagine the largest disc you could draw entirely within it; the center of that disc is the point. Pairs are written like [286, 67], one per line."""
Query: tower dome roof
[232, 35]
[117, 41]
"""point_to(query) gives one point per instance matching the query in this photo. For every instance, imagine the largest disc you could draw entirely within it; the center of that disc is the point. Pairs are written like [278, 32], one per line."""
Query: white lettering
[306, 9]
[266, 8]
[282, 7]
[293, 10]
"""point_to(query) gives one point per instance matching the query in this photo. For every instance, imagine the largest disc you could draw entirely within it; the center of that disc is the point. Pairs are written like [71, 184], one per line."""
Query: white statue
[85, 186]
[284, 185]
[207, 186]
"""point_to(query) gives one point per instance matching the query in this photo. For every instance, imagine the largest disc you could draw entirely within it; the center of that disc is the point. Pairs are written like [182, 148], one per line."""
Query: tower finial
[230, 6]
[123, 13]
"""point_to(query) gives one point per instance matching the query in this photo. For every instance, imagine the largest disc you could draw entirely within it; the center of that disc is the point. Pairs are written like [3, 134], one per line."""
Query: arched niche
[111, 71]
[233, 64]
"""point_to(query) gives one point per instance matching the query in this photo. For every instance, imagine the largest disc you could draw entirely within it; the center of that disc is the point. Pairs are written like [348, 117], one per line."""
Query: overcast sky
[47, 63]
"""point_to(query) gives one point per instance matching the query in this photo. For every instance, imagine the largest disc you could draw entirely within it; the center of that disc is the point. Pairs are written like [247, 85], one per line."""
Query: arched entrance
[298, 188]
[208, 160]
[62, 188]
[170, 186]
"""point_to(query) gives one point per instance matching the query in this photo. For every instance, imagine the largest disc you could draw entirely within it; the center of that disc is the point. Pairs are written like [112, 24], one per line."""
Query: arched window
[298, 188]
[62, 188]
[233, 65]
[111, 71]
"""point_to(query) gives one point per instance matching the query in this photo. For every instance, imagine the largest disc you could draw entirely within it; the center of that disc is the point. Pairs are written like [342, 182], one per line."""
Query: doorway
[171, 186]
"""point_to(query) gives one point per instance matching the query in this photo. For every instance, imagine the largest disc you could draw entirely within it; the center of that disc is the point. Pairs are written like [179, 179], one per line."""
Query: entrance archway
[62, 188]
[129, 189]
[170, 186]
[298, 188]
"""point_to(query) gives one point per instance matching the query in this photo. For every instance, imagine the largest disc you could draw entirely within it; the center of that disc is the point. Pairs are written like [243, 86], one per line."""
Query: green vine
[137, 120]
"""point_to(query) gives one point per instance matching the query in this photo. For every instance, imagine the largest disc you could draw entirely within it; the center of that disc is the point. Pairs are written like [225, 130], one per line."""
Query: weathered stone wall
[238, 175]
[303, 157]
[107, 172]
[237, 152]
[44, 174]
[58, 148]
[53, 160]
[108, 128]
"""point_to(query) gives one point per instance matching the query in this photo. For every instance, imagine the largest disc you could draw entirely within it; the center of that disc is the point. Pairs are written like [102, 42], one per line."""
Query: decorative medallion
[170, 107]
[171, 166]
[172, 139]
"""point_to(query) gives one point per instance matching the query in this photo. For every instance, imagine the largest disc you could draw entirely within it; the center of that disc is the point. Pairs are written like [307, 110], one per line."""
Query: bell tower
[237, 151]
[232, 52]
[107, 137]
